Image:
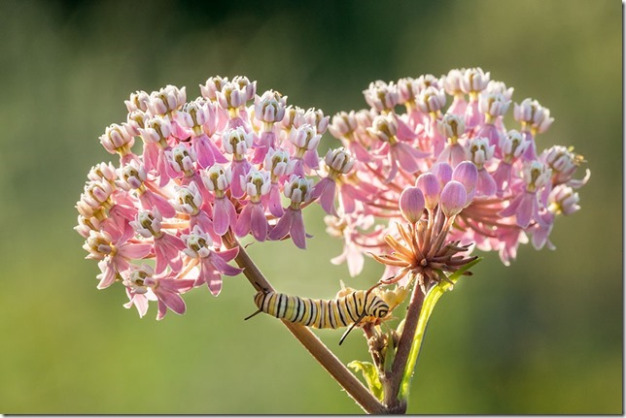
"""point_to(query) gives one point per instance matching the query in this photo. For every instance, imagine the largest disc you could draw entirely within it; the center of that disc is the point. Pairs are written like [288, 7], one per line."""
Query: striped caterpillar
[348, 309]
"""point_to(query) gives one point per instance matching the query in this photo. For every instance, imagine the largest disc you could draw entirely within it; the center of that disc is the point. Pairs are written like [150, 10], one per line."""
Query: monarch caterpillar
[349, 308]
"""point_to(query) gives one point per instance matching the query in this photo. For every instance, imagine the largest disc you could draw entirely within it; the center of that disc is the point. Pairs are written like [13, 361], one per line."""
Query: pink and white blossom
[426, 169]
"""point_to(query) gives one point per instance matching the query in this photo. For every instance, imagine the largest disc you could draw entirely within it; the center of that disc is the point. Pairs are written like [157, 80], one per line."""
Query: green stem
[426, 308]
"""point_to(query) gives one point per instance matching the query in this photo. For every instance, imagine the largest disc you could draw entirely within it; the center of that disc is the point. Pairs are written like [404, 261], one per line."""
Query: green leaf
[431, 299]
[371, 376]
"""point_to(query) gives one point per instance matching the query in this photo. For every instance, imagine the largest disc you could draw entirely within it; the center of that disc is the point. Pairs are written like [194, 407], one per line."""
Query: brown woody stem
[394, 377]
[308, 339]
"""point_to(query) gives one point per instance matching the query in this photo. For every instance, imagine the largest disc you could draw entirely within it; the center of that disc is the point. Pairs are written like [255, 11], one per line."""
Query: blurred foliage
[542, 336]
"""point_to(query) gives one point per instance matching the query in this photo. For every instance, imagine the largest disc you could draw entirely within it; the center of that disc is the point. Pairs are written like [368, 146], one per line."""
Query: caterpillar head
[393, 297]
[381, 311]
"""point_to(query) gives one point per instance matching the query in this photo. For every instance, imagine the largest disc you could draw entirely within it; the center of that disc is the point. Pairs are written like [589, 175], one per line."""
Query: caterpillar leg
[250, 316]
[345, 334]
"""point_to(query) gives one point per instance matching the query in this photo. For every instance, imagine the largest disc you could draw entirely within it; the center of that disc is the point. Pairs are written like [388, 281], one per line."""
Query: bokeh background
[542, 336]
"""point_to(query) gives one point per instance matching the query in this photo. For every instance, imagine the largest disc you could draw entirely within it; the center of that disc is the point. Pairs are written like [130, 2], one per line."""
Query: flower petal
[243, 223]
[258, 224]
[298, 234]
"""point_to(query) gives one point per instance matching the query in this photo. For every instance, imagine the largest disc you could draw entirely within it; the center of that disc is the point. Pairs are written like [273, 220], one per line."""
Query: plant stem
[393, 379]
[308, 339]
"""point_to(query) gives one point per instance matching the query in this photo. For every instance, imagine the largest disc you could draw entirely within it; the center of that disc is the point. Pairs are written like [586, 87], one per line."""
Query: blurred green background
[542, 336]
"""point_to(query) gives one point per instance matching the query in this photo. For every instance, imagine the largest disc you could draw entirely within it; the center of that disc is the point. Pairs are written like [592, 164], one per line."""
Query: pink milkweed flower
[102, 171]
[118, 140]
[298, 189]
[293, 118]
[166, 246]
[430, 186]
[512, 147]
[412, 204]
[218, 179]
[233, 96]
[489, 131]
[453, 198]
[532, 116]
[102, 203]
[212, 263]
[472, 82]
[279, 165]
[563, 200]
[381, 96]
[182, 179]
[452, 127]
[564, 163]
[493, 105]
[498, 87]
[481, 152]
[428, 80]
[452, 86]
[305, 140]
[142, 286]
[467, 174]
[431, 99]
[132, 176]
[509, 240]
[427, 93]
[252, 217]
[156, 134]
[189, 200]
[97, 195]
[182, 159]
[136, 120]
[237, 142]
[534, 119]
[201, 121]
[442, 171]
[210, 88]
[317, 119]
[407, 91]
[525, 206]
[477, 155]
[344, 126]
[268, 109]
[394, 135]
[114, 256]
[167, 100]
[338, 162]
[352, 227]
[137, 101]
[540, 231]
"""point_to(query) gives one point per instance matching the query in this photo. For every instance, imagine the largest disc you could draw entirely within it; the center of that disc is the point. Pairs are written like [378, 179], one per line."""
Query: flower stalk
[308, 339]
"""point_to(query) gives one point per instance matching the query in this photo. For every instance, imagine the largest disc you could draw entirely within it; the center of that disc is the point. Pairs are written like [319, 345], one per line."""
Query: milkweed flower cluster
[222, 162]
[429, 170]
[426, 173]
